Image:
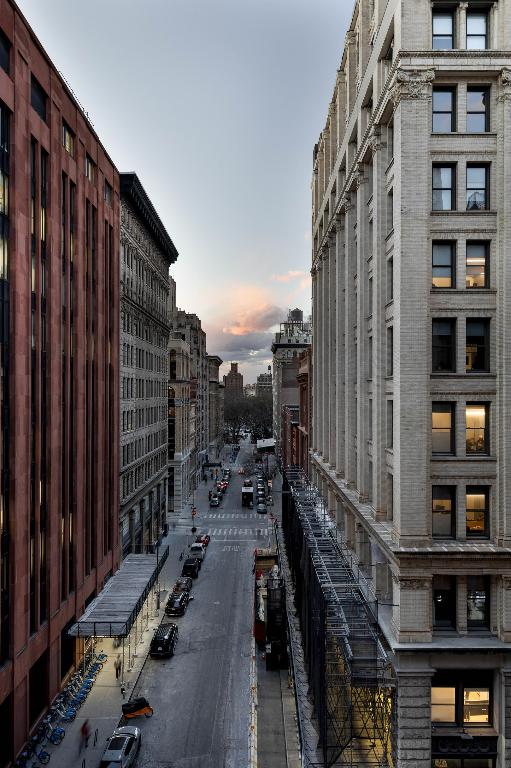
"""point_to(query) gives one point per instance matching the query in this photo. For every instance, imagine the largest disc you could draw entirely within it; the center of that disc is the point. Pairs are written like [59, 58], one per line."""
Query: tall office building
[216, 409]
[146, 255]
[59, 384]
[233, 382]
[411, 367]
[264, 385]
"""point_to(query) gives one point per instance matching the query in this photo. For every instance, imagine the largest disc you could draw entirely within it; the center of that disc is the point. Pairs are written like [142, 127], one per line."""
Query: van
[164, 641]
[198, 550]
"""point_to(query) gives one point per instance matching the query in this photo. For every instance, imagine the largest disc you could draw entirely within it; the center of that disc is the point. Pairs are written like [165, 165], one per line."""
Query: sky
[216, 105]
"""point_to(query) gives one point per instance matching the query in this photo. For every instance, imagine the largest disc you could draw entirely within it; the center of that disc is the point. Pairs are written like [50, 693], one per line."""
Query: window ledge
[389, 235]
[389, 166]
[466, 375]
[478, 291]
[389, 303]
[482, 212]
[450, 457]
[442, 135]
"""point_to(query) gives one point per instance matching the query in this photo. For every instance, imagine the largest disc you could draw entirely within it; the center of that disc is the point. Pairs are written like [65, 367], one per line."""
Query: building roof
[133, 191]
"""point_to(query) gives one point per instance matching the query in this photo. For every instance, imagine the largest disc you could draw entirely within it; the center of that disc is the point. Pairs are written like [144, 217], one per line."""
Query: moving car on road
[214, 501]
[122, 748]
[177, 604]
[203, 538]
[191, 567]
[261, 508]
[164, 641]
[198, 551]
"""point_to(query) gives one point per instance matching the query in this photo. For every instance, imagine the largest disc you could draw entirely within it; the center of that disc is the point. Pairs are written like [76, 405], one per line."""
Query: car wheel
[150, 713]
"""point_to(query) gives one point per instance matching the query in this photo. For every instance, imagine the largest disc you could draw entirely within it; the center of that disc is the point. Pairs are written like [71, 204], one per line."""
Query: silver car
[122, 748]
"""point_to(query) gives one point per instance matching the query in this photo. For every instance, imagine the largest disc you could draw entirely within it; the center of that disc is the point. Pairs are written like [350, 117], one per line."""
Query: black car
[183, 584]
[164, 641]
[191, 567]
[177, 604]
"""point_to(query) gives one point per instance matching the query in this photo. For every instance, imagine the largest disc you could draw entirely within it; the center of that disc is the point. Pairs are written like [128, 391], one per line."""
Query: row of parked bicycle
[63, 710]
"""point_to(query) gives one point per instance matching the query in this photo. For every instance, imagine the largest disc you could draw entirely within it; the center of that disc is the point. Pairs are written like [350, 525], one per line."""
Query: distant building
[290, 420]
[233, 382]
[181, 425]
[264, 384]
[294, 336]
[249, 390]
[305, 403]
[216, 408]
[146, 255]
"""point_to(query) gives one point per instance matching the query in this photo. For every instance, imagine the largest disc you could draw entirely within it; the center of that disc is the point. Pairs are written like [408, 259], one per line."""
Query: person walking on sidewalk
[84, 736]
[117, 666]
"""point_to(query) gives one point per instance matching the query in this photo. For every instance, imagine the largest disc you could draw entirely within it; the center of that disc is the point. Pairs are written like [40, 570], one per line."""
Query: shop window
[478, 602]
[477, 417]
[477, 345]
[444, 602]
[442, 427]
[443, 500]
[443, 267]
[477, 269]
[477, 511]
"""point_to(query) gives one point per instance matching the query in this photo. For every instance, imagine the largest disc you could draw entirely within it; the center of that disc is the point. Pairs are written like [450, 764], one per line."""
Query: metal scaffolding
[350, 675]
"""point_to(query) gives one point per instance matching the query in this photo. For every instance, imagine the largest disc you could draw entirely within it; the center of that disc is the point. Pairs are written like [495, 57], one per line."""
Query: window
[478, 109]
[390, 351]
[478, 187]
[443, 499]
[90, 168]
[476, 416]
[477, 515]
[477, 267]
[390, 279]
[442, 427]
[443, 31]
[444, 602]
[478, 602]
[390, 211]
[444, 112]
[477, 31]
[108, 193]
[390, 423]
[68, 139]
[38, 99]
[444, 198]
[443, 272]
[478, 345]
[463, 762]
[5, 52]
[461, 699]
[444, 346]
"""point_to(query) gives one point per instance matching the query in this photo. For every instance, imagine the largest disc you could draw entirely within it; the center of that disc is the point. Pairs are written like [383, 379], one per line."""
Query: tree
[252, 413]
[235, 414]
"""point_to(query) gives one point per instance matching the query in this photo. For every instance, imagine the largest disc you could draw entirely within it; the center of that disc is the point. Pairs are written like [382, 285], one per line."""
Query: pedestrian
[118, 666]
[84, 736]
[209, 496]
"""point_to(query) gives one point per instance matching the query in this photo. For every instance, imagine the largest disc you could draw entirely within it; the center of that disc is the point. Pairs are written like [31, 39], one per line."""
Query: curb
[252, 730]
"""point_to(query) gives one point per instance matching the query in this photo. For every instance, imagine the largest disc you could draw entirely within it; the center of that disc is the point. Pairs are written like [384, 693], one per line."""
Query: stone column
[339, 371]
[350, 343]
[332, 323]
[314, 383]
[461, 26]
[365, 365]
[413, 738]
[325, 354]
[318, 368]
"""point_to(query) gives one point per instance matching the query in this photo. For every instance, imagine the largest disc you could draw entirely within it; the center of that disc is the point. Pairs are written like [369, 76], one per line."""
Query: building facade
[216, 409]
[304, 379]
[146, 255]
[59, 336]
[233, 382]
[181, 426]
[188, 326]
[411, 368]
[264, 385]
[294, 336]
[290, 419]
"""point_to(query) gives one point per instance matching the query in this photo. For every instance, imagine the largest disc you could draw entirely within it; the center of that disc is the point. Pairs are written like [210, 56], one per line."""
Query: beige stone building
[411, 366]
[181, 426]
[216, 409]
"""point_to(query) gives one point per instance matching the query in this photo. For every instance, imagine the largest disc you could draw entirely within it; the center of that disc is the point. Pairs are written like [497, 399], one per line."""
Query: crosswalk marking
[263, 531]
[233, 516]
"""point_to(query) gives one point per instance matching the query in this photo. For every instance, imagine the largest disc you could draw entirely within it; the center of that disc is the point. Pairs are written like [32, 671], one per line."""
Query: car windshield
[116, 744]
[110, 764]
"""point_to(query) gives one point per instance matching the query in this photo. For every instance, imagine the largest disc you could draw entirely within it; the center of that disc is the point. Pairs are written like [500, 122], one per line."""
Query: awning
[266, 445]
[115, 609]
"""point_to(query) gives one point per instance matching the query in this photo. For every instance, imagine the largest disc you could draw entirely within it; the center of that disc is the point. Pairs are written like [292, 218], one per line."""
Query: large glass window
[444, 602]
[443, 31]
[443, 510]
[444, 111]
[444, 197]
[442, 427]
[477, 428]
[478, 109]
[478, 270]
[461, 699]
[477, 31]
[443, 271]
[478, 344]
[443, 345]
[477, 511]
[443, 703]
[478, 187]
[38, 98]
[478, 602]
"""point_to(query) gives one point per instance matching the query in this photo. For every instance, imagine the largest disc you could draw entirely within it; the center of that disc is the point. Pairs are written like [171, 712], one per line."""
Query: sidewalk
[103, 705]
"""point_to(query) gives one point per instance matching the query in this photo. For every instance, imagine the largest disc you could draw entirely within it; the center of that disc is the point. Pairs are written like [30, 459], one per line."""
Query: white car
[198, 550]
[122, 748]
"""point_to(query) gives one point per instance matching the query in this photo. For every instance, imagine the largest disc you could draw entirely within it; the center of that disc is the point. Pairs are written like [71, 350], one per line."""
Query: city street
[201, 695]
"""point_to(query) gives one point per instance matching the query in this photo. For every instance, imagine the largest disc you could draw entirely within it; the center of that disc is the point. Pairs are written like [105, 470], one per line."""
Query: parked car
[122, 748]
[164, 641]
[177, 604]
[203, 538]
[261, 507]
[198, 550]
[191, 567]
[183, 584]
[214, 501]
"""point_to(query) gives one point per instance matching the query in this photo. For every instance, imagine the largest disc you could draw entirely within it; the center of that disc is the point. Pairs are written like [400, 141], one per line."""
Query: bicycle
[54, 733]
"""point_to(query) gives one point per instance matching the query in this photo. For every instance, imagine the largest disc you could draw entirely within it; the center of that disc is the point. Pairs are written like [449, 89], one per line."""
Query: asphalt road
[201, 695]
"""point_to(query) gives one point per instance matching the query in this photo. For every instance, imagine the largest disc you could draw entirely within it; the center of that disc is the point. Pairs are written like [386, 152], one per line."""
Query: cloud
[260, 318]
[304, 278]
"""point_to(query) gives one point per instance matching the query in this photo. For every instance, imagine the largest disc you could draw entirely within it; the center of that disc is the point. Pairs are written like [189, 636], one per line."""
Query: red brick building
[289, 435]
[304, 428]
[59, 378]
